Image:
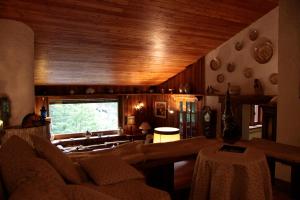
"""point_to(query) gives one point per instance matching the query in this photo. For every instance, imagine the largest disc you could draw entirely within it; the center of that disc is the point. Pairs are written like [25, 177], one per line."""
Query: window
[78, 116]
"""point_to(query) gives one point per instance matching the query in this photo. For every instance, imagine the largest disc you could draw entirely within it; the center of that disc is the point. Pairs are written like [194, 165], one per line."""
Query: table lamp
[166, 134]
[145, 126]
[130, 122]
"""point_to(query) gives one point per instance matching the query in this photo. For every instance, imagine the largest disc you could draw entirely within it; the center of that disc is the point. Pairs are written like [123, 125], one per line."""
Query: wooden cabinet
[269, 121]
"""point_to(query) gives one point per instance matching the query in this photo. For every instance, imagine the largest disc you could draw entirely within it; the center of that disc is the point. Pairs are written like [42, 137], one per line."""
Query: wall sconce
[139, 106]
[166, 134]
[1, 125]
[171, 111]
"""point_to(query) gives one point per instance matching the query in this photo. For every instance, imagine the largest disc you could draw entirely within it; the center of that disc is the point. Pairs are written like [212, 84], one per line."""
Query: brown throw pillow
[38, 189]
[15, 147]
[19, 163]
[57, 159]
[109, 169]
[18, 171]
[77, 192]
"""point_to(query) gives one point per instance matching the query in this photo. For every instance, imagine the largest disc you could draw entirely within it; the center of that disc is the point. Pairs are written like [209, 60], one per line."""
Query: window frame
[83, 100]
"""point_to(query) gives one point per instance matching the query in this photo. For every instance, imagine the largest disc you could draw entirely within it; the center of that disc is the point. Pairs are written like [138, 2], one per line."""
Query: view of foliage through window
[80, 117]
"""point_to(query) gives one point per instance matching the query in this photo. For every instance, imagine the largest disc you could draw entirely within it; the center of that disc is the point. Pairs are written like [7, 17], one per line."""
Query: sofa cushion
[15, 147]
[38, 189]
[78, 192]
[132, 189]
[15, 172]
[19, 163]
[57, 159]
[109, 169]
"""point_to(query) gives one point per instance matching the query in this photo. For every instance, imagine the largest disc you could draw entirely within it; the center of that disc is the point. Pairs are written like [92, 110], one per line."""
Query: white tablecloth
[229, 176]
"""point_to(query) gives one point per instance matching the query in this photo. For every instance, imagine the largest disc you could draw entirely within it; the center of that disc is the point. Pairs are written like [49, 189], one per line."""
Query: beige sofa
[43, 172]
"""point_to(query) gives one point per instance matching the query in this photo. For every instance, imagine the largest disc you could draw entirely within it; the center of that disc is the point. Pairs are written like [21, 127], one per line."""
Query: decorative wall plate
[230, 67]
[248, 72]
[220, 78]
[263, 51]
[273, 78]
[238, 46]
[215, 64]
[253, 34]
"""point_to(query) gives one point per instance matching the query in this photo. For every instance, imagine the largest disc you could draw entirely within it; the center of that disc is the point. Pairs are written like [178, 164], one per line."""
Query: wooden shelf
[78, 96]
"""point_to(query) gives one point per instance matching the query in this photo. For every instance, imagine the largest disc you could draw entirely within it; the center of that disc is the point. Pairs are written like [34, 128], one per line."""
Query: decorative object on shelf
[187, 88]
[131, 122]
[220, 78]
[230, 67]
[273, 78]
[209, 121]
[88, 134]
[180, 89]
[145, 126]
[90, 90]
[110, 90]
[215, 64]
[152, 89]
[31, 120]
[248, 72]
[160, 109]
[263, 50]
[231, 132]
[162, 90]
[171, 91]
[258, 88]
[165, 134]
[72, 91]
[211, 90]
[43, 114]
[139, 106]
[121, 131]
[253, 34]
[4, 111]
[234, 89]
[239, 45]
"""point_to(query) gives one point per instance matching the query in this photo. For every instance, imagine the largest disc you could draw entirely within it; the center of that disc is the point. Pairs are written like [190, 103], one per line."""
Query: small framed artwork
[160, 109]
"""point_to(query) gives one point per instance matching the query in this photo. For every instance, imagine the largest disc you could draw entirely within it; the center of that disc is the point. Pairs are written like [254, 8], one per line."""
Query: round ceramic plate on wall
[215, 64]
[238, 46]
[230, 67]
[273, 78]
[253, 34]
[263, 51]
[248, 72]
[220, 78]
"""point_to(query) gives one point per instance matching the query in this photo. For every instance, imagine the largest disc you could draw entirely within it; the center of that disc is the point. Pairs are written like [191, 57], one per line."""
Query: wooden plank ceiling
[127, 42]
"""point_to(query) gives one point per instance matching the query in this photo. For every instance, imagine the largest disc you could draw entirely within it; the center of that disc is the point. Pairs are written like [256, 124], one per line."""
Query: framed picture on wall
[160, 109]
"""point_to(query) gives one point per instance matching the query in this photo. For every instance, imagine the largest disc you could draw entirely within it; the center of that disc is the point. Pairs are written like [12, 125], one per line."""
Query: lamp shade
[145, 126]
[166, 134]
[130, 120]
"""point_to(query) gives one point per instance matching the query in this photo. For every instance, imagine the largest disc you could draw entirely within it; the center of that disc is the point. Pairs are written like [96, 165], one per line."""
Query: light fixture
[1, 124]
[145, 126]
[166, 134]
[130, 122]
[139, 106]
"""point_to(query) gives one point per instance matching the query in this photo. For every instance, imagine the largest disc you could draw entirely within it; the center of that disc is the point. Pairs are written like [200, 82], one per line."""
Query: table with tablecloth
[230, 175]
